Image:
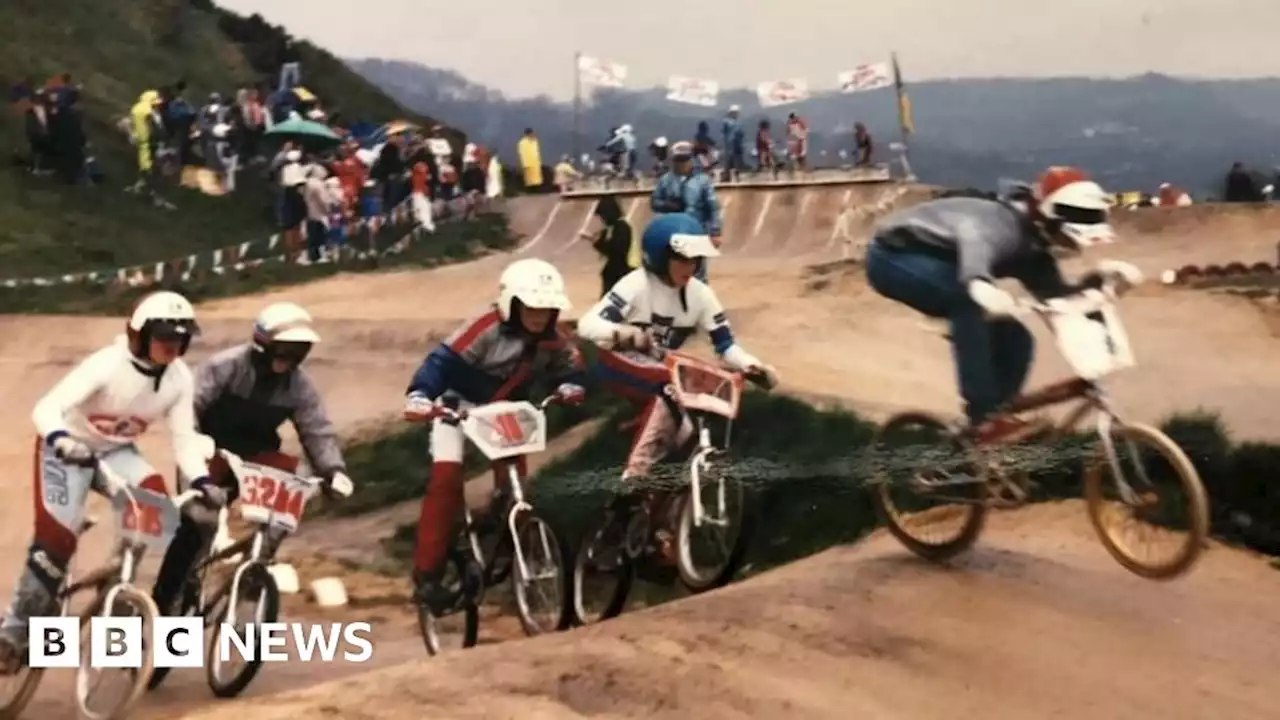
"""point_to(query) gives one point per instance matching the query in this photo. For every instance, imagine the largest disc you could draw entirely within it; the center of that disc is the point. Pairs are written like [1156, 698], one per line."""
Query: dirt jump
[1036, 622]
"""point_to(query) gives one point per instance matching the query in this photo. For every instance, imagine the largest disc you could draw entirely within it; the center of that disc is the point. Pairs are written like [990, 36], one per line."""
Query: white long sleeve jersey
[105, 402]
[671, 315]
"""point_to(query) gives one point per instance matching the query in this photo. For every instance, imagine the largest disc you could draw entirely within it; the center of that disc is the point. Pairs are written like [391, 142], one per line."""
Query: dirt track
[1040, 623]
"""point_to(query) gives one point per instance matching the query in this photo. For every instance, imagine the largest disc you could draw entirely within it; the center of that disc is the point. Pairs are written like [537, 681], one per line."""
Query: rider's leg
[1012, 350]
[441, 504]
[59, 492]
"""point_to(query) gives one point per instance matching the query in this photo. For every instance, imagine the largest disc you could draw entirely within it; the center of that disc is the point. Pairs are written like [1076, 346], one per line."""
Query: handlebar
[655, 351]
[460, 414]
[235, 462]
[117, 484]
[1082, 303]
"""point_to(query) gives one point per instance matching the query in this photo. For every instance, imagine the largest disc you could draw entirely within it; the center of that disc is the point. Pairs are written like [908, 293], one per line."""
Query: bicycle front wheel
[712, 538]
[539, 582]
[602, 571]
[123, 686]
[1166, 504]
[448, 632]
[257, 601]
[926, 486]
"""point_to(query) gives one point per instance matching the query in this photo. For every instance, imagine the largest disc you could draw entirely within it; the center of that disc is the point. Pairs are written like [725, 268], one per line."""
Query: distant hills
[1132, 133]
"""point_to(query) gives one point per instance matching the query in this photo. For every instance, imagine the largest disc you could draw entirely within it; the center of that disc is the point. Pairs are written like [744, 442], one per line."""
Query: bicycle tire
[255, 573]
[531, 626]
[587, 548]
[142, 676]
[189, 604]
[427, 621]
[690, 576]
[972, 495]
[1196, 534]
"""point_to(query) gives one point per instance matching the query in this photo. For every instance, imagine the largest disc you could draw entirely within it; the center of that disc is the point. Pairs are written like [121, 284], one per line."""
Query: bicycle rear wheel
[128, 602]
[187, 606]
[258, 594]
[1168, 501]
[925, 479]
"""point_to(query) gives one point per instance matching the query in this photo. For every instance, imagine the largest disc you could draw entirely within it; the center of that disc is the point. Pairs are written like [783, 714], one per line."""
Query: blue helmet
[657, 246]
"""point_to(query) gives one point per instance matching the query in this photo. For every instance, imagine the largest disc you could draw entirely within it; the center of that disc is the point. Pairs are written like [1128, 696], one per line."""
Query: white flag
[601, 72]
[782, 92]
[871, 76]
[693, 91]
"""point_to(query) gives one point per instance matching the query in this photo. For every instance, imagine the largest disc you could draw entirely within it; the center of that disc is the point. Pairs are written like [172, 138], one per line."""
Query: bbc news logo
[179, 642]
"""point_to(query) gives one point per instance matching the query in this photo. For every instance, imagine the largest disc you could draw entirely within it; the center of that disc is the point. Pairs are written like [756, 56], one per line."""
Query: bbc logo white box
[53, 642]
[179, 642]
[115, 642]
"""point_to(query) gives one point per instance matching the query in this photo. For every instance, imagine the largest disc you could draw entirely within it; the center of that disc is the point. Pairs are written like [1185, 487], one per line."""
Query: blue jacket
[693, 194]
[734, 139]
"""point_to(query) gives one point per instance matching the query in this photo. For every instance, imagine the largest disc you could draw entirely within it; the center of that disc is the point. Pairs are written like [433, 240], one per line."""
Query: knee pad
[48, 569]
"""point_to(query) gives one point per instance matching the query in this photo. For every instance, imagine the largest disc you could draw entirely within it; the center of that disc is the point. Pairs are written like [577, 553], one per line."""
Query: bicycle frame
[699, 399]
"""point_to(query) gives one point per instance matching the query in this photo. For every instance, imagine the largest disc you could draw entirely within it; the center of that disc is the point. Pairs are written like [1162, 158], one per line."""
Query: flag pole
[905, 122]
[577, 104]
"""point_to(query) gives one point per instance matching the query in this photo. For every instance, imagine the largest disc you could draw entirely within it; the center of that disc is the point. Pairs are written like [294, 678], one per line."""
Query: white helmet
[161, 315]
[535, 283]
[661, 141]
[1080, 205]
[283, 322]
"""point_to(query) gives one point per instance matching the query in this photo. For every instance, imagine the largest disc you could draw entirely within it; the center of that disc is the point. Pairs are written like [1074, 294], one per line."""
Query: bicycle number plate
[1093, 348]
[704, 387]
[270, 496]
[153, 520]
[505, 429]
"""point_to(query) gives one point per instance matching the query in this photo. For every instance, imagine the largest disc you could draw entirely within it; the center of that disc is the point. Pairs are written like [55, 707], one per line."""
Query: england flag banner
[871, 76]
[693, 91]
[595, 71]
[782, 92]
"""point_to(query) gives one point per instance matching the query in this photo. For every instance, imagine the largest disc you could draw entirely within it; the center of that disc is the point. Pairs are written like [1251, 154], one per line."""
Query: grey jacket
[986, 239]
[242, 409]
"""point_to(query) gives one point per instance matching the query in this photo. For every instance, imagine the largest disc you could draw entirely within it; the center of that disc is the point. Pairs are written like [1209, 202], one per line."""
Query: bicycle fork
[255, 554]
[697, 465]
[518, 506]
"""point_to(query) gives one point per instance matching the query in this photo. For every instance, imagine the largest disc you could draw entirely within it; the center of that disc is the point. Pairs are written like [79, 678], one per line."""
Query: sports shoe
[1007, 429]
[428, 590]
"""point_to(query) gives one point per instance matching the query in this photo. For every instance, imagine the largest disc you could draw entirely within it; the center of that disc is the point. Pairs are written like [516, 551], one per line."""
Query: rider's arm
[566, 363]
[713, 319]
[465, 347]
[73, 389]
[188, 450]
[316, 432]
[212, 377]
[612, 311]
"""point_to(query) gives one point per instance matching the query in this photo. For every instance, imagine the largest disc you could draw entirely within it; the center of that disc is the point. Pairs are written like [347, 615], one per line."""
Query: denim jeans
[992, 357]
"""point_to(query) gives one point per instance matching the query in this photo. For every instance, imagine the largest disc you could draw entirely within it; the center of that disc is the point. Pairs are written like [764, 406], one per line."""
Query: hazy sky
[525, 47]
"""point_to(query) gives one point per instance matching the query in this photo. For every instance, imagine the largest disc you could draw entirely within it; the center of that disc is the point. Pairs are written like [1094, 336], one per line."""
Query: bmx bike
[711, 511]
[511, 541]
[927, 472]
[145, 520]
[272, 501]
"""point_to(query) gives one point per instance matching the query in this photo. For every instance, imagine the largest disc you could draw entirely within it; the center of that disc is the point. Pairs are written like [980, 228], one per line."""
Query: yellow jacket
[140, 113]
[530, 155]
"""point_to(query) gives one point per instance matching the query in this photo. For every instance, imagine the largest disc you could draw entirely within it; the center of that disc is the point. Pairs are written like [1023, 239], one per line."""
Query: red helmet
[1080, 206]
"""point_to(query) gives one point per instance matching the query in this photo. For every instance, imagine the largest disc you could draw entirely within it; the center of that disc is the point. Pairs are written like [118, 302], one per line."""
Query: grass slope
[117, 49]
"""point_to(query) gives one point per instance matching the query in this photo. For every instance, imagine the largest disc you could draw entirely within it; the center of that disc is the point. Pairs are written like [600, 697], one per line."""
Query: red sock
[440, 506]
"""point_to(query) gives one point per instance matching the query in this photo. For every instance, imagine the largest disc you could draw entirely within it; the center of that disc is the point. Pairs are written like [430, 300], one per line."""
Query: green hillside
[116, 49]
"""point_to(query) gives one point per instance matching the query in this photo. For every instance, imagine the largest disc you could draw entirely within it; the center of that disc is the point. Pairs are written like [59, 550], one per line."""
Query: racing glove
[214, 496]
[991, 298]
[1128, 273]
[339, 485]
[571, 393]
[69, 449]
[768, 374]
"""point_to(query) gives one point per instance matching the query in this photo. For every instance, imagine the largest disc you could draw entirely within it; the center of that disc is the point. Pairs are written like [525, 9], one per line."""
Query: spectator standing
[798, 141]
[390, 170]
[765, 158]
[704, 147]
[293, 206]
[420, 181]
[472, 183]
[614, 243]
[530, 154]
[38, 136]
[290, 66]
[862, 146]
[734, 144]
[316, 197]
[685, 191]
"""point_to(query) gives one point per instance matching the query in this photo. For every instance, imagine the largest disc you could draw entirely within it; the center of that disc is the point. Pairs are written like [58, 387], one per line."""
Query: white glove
[571, 393]
[991, 298]
[341, 485]
[418, 407]
[630, 337]
[71, 450]
[1128, 272]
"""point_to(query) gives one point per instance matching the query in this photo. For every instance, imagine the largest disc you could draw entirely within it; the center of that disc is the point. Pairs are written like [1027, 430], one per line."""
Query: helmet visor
[173, 330]
[292, 352]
